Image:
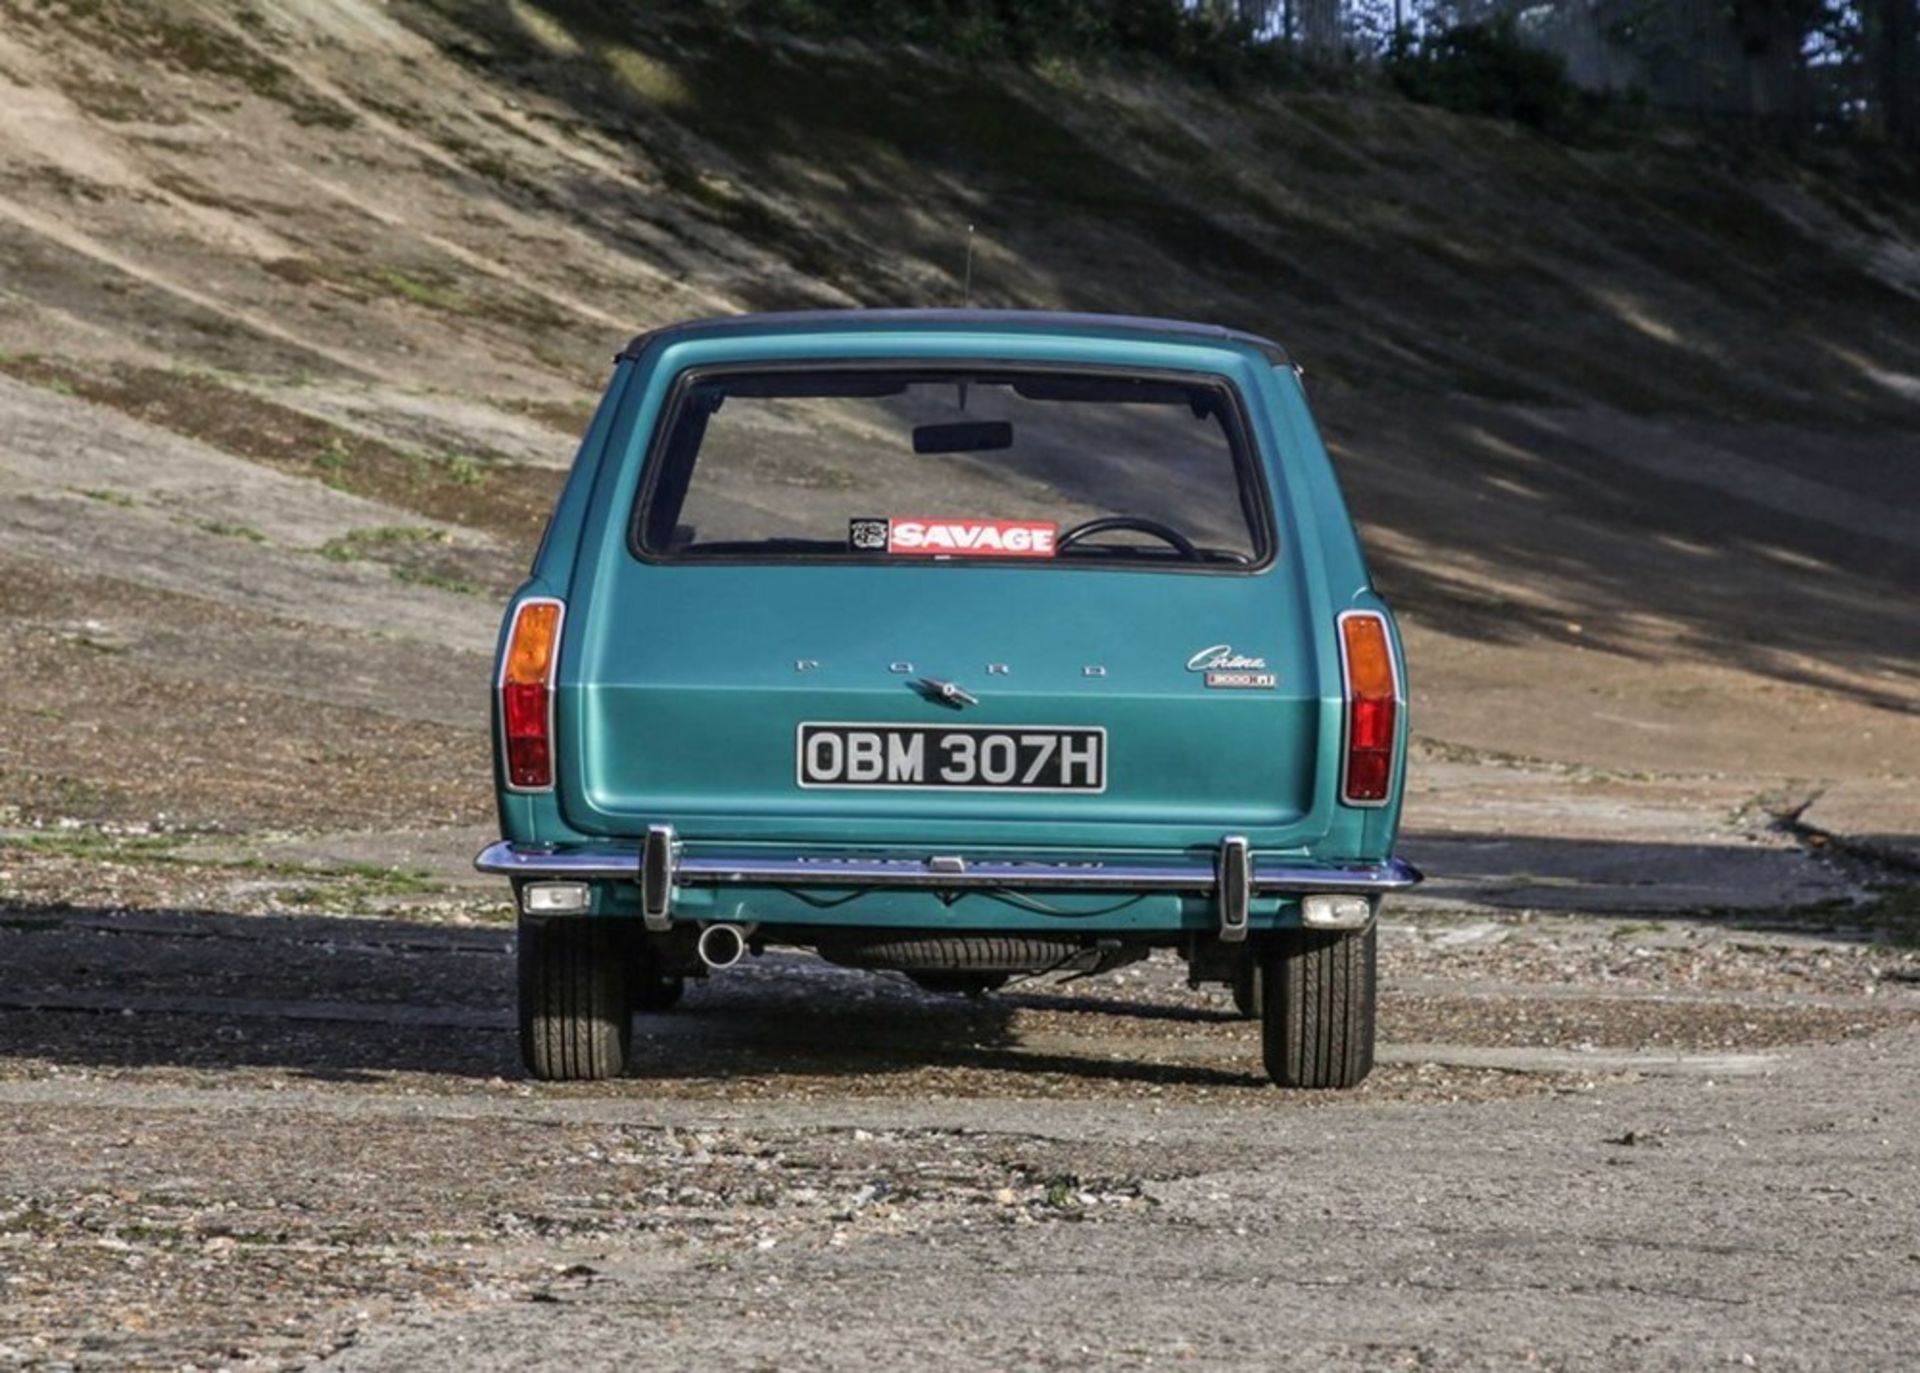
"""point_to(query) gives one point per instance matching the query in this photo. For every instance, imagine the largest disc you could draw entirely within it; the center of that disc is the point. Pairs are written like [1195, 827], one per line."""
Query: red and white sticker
[972, 538]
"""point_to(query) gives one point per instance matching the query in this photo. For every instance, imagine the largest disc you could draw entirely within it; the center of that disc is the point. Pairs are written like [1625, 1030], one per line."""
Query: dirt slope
[1629, 428]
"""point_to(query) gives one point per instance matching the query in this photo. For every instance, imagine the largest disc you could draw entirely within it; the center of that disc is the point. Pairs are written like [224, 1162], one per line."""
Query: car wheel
[576, 999]
[1247, 983]
[958, 984]
[1318, 1007]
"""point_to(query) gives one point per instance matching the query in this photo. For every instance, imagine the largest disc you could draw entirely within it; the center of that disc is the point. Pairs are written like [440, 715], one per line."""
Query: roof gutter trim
[1024, 321]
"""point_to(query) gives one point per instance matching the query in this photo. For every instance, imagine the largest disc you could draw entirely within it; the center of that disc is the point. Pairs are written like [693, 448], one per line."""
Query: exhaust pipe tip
[720, 946]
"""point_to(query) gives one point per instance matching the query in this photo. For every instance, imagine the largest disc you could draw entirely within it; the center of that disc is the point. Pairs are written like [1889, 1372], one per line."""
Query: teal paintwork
[661, 663]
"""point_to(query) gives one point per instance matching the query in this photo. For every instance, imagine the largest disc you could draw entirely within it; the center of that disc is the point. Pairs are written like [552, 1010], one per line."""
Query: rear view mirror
[971, 436]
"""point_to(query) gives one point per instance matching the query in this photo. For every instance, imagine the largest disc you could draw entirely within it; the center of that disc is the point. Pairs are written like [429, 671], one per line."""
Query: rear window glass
[884, 465]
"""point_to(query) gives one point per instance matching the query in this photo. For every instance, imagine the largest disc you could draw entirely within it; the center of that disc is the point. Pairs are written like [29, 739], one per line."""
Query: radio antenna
[966, 284]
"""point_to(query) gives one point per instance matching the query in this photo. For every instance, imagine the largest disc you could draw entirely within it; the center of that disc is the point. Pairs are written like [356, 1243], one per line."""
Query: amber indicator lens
[1373, 707]
[530, 650]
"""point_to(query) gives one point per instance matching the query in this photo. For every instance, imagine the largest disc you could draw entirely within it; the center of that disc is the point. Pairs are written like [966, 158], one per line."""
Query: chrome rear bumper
[1199, 876]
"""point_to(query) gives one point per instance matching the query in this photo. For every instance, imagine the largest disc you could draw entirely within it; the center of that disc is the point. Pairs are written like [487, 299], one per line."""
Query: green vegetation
[401, 546]
[423, 576]
[28, 1219]
[97, 493]
[457, 488]
[388, 881]
[161, 34]
[462, 470]
[228, 530]
[397, 534]
[436, 295]
[95, 845]
[431, 286]
[1488, 69]
[1893, 911]
[331, 462]
[1890, 911]
[1063, 1192]
[325, 886]
[1207, 37]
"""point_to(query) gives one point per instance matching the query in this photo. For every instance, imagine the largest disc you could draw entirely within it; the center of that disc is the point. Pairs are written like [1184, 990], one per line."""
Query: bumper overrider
[1232, 876]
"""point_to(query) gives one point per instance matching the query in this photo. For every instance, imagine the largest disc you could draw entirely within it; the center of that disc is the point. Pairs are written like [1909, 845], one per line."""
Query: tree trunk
[1899, 66]
[1319, 26]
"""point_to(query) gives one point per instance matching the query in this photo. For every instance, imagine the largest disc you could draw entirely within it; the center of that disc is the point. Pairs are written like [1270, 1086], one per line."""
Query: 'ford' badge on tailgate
[1225, 668]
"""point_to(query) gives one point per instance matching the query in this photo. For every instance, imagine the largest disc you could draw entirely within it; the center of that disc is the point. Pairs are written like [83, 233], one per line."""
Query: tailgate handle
[1233, 887]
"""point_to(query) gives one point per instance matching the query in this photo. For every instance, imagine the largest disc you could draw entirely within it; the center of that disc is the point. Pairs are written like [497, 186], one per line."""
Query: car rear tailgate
[684, 690]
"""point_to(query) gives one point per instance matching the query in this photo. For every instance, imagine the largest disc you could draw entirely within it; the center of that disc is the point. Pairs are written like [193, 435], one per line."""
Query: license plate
[953, 758]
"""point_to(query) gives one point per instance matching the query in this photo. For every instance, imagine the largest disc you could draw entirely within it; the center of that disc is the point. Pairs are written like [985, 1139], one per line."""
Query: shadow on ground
[350, 997]
[1757, 884]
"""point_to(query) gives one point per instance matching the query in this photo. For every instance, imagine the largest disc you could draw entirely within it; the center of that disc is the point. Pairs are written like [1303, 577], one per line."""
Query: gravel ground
[291, 371]
[235, 1135]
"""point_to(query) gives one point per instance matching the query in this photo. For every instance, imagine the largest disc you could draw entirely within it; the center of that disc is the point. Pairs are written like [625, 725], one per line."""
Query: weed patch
[1890, 911]
[426, 287]
[397, 534]
[330, 886]
[424, 576]
[508, 501]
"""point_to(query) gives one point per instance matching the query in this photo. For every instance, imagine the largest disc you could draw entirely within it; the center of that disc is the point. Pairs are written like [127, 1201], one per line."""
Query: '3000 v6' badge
[1225, 668]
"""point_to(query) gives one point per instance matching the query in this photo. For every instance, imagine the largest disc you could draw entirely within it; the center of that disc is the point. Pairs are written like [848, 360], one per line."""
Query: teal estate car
[964, 644]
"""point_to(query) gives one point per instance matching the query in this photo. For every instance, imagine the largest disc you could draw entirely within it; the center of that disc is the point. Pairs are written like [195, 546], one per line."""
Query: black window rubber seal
[1250, 474]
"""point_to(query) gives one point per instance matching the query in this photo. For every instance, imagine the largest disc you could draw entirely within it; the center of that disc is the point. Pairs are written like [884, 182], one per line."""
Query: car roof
[1028, 321]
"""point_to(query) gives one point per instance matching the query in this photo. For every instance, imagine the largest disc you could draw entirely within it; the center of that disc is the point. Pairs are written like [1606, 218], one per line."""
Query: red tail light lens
[526, 694]
[1373, 708]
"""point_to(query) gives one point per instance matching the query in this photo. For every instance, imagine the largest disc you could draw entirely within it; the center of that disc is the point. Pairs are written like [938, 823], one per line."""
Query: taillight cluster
[1373, 708]
[526, 694]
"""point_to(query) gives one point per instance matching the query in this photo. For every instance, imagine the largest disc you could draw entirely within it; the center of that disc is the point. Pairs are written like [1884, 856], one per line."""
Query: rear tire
[1317, 1026]
[576, 999]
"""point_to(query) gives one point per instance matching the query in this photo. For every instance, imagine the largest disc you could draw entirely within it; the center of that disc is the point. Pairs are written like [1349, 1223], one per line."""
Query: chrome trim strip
[1197, 876]
[916, 874]
[1396, 874]
[512, 860]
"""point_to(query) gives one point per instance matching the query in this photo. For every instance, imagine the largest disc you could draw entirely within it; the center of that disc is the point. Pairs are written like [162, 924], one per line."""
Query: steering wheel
[1139, 524]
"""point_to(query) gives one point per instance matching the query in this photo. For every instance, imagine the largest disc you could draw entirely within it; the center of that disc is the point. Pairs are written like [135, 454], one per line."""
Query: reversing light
[526, 694]
[555, 898]
[1373, 708]
[1329, 911]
